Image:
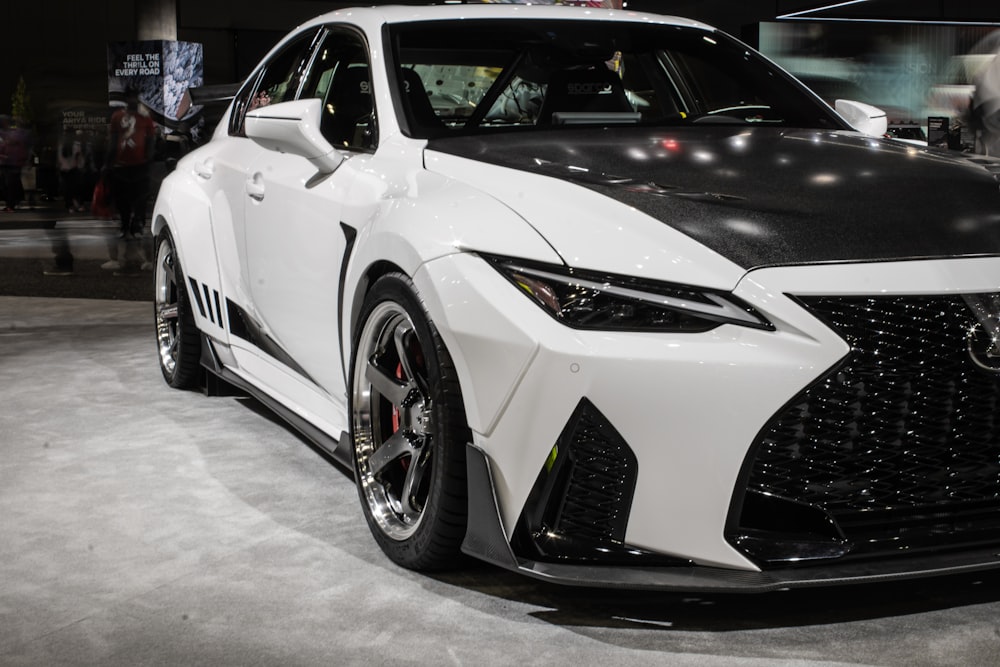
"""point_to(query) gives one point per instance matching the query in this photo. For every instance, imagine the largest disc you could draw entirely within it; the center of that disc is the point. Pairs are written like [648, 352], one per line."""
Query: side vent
[203, 298]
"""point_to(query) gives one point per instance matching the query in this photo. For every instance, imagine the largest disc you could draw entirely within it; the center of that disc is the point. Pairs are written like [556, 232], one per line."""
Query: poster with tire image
[162, 72]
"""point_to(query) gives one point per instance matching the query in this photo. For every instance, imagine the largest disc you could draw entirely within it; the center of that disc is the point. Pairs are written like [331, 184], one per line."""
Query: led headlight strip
[588, 300]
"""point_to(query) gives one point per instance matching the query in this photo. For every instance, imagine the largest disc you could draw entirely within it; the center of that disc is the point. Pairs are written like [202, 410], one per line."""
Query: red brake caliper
[404, 462]
[395, 408]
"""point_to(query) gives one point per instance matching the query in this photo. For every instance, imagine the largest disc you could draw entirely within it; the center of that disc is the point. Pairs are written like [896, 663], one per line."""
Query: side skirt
[220, 381]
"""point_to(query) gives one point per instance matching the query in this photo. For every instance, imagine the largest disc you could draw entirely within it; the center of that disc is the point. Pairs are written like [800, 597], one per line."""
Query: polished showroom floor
[145, 526]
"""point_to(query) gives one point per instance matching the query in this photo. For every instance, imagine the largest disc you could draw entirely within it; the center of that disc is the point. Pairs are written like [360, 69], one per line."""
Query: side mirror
[864, 118]
[293, 127]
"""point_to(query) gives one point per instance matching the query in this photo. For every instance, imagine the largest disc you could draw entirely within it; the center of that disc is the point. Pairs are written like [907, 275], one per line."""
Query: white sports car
[602, 297]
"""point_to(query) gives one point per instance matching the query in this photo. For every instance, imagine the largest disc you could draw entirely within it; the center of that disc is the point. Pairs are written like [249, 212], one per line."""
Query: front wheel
[408, 430]
[177, 341]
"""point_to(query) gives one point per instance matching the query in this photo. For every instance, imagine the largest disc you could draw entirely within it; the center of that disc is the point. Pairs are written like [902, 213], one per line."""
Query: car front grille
[896, 450]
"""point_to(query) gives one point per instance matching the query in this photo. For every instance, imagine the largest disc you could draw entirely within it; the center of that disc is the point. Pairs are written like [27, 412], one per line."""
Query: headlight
[590, 300]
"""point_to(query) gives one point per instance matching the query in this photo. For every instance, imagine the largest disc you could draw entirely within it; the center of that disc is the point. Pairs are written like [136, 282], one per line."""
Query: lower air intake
[578, 508]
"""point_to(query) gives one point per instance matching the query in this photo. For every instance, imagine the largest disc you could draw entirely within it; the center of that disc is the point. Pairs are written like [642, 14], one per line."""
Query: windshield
[467, 76]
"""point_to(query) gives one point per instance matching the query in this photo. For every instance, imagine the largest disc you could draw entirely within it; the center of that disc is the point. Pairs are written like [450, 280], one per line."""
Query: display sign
[937, 131]
[90, 121]
[161, 72]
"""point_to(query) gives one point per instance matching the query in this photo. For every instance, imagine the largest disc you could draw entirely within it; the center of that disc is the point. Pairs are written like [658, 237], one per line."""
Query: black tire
[178, 343]
[408, 430]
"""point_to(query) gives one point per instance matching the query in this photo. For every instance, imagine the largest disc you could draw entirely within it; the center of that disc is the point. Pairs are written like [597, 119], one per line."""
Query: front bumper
[689, 406]
[486, 540]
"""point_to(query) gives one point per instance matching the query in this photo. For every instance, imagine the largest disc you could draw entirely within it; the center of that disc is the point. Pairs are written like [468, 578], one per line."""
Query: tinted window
[276, 81]
[340, 76]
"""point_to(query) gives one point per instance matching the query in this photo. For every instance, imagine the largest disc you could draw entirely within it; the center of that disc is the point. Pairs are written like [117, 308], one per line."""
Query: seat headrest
[594, 88]
[418, 104]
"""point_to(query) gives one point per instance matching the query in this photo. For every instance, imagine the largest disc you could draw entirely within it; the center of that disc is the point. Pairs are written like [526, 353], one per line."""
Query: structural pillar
[156, 19]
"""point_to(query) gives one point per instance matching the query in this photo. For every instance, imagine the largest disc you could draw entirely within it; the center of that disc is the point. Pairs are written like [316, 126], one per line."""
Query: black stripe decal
[242, 325]
[218, 308]
[197, 296]
[237, 327]
[208, 302]
[350, 235]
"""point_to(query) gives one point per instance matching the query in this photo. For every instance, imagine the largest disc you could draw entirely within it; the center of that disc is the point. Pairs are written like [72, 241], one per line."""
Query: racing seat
[589, 89]
[419, 111]
[347, 117]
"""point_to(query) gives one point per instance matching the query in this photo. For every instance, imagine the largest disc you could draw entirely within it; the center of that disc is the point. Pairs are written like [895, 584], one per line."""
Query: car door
[295, 244]
[221, 165]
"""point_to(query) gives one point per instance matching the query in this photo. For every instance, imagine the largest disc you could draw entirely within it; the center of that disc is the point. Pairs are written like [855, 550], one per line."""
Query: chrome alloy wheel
[166, 307]
[393, 426]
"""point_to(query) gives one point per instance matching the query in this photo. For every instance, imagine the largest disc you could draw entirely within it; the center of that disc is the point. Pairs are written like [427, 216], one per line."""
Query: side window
[276, 81]
[340, 76]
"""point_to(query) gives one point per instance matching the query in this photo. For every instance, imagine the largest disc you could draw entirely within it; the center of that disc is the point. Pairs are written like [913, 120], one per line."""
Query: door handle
[255, 187]
[205, 168]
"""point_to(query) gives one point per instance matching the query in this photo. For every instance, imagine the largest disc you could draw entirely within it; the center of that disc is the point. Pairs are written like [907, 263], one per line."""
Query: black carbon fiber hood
[770, 196]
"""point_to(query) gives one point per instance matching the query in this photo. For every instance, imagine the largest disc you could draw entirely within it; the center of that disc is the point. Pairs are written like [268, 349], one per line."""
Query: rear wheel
[408, 430]
[177, 340]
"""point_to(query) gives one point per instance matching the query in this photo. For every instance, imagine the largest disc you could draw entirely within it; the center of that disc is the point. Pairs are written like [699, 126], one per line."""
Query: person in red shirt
[130, 150]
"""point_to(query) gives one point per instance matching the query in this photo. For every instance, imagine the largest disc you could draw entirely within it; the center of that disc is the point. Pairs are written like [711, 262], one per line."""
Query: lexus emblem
[984, 337]
[984, 348]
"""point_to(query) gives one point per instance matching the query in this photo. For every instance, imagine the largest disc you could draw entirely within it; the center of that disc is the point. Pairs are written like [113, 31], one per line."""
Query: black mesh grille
[901, 442]
[598, 491]
[579, 506]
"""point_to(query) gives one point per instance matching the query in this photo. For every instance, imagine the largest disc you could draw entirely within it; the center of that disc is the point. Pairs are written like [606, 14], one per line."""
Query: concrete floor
[32, 239]
[145, 526]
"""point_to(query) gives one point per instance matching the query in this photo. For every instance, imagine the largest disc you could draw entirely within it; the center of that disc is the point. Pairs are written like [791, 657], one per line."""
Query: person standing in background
[130, 150]
[71, 160]
[15, 148]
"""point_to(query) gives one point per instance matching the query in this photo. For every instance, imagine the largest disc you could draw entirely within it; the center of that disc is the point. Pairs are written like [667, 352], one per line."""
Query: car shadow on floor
[486, 587]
